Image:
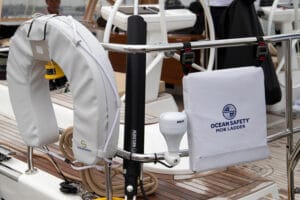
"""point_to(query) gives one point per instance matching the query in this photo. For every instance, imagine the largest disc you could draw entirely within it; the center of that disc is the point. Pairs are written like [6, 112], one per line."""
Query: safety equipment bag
[83, 60]
[226, 113]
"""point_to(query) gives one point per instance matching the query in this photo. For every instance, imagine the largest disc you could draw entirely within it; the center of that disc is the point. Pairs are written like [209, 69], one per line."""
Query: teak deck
[230, 183]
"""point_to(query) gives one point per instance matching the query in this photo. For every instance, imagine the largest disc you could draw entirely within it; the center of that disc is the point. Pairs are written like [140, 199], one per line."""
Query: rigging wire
[56, 165]
[68, 186]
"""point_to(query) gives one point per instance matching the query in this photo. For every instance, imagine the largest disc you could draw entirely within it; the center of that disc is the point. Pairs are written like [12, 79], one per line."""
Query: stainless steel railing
[197, 44]
[293, 153]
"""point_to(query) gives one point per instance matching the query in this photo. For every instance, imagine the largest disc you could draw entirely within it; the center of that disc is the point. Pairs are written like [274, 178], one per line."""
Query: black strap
[262, 50]
[30, 27]
[187, 57]
[45, 27]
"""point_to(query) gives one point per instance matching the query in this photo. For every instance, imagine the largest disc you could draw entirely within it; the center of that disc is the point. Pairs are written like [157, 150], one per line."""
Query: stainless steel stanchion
[289, 118]
[31, 169]
[108, 181]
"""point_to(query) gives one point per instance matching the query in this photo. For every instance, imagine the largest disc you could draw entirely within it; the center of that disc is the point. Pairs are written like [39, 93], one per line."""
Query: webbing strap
[187, 57]
[262, 50]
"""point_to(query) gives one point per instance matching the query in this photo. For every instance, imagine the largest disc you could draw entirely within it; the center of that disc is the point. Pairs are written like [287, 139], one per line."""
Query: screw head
[129, 188]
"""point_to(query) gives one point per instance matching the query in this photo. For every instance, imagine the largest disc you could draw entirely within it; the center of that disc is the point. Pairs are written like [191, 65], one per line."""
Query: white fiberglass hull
[18, 185]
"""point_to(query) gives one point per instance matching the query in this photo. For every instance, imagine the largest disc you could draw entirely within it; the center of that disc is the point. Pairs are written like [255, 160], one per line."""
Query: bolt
[129, 188]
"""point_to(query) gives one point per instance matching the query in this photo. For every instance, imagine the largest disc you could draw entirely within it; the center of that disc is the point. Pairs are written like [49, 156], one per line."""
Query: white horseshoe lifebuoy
[92, 82]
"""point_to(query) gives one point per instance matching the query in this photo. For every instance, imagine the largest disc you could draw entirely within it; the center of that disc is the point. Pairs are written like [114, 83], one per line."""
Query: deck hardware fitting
[31, 170]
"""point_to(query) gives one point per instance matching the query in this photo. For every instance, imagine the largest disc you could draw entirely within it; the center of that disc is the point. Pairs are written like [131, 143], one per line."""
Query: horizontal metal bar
[282, 134]
[201, 44]
[151, 157]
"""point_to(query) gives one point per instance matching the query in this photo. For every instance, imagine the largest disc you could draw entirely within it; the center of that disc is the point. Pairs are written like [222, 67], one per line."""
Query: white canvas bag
[92, 82]
[226, 117]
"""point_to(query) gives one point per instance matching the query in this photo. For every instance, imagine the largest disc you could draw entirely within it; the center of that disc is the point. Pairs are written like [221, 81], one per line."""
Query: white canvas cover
[226, 117]
[89, 71]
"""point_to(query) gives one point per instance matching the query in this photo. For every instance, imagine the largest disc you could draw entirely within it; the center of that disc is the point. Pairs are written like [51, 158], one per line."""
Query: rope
[92, 179]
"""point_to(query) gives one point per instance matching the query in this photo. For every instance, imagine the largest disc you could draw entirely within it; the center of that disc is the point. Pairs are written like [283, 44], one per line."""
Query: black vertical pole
[135, 103]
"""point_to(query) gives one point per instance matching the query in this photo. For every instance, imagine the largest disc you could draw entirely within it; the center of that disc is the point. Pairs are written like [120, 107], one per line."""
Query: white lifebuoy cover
[92, 82]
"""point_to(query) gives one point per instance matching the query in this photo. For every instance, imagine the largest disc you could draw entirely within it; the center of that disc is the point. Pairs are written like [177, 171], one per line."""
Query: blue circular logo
[229, 111]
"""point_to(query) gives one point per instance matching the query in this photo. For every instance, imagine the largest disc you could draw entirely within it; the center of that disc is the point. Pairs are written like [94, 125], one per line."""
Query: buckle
[262, 52]
[187, 58]
[262, 49]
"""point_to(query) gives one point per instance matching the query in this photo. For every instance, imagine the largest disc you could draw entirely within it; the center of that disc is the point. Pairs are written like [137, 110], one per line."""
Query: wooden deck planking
[63, 99]
[169, 190]
[275, 166]
[199, 188]
[248, 189]
[227, 182]
[209, 186]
